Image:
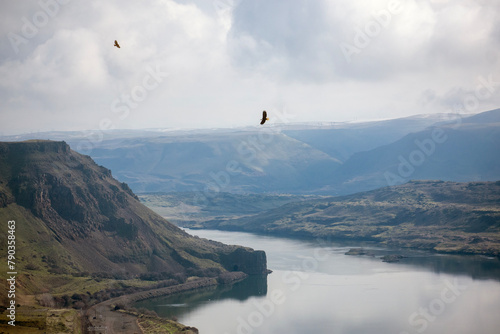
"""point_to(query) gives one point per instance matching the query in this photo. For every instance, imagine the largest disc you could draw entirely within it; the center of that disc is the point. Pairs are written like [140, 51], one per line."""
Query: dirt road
[103, 320]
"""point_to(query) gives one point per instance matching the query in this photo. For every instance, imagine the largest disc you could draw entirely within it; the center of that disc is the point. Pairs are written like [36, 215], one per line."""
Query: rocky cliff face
[242, 260]
[73, 216]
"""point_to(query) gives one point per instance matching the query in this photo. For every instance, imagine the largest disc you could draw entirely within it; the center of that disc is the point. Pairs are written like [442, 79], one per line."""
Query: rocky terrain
[81, 235]
[440, 216]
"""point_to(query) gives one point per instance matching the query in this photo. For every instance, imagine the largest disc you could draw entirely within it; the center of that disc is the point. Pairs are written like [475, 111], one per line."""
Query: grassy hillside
[77, 227]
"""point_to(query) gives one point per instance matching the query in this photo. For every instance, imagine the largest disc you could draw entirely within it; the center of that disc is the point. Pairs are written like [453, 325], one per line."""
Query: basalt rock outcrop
[246, 260]
[73, 217]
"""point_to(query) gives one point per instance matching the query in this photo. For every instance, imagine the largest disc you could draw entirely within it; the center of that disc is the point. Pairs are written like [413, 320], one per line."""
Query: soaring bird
[264, 117]
[116, 44]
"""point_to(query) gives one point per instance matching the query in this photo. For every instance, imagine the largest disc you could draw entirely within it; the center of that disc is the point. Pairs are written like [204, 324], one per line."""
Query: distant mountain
[466, 151]
[341, 141]
[432, 215]
[336, 159]
[327, 159]
[228, 161]
[73, 217]
[487, 117]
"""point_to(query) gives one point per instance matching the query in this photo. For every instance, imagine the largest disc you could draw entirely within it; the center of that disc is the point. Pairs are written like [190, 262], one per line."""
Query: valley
[90, 237]
[250, 167]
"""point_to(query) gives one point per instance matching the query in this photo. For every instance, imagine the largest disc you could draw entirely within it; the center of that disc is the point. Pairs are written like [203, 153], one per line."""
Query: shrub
[31, 266]
[79, 305]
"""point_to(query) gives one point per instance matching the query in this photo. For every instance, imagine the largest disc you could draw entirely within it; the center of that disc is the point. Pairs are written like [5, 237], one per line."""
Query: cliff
[73, 218]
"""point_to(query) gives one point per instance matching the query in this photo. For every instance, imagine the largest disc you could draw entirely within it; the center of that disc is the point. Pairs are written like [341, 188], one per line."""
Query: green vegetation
[34, 320]
[73, 220]
[82, 237]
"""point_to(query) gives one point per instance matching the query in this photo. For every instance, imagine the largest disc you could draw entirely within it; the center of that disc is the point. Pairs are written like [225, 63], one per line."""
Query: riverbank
[437, 216]
[320, 285]
[111, 317]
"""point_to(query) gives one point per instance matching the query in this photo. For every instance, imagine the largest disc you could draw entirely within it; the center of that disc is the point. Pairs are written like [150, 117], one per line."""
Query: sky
[217, 64]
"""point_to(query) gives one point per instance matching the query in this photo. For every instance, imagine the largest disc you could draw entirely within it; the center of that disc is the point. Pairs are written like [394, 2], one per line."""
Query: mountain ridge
[72, 217]
[290, 158]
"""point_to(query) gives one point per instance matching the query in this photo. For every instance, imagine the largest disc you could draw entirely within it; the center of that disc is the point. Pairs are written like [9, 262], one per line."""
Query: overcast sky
[204, 63]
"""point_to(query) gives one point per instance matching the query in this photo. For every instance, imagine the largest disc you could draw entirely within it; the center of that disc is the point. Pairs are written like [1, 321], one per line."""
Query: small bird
[116, 44]
[264, 117]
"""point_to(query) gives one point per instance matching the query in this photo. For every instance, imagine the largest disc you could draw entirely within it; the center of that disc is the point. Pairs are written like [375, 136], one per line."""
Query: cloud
[229, 59]
[69, 67]
[382, 40]
[289, 40]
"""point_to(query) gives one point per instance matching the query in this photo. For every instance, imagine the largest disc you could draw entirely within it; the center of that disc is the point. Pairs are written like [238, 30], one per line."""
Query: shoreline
[431, 245]
[103, 316]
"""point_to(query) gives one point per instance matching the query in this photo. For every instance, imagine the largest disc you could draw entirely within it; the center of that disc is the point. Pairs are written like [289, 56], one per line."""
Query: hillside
[75, 222]
[465, 152]
[343, 140]
[230, 161]
[432, 215]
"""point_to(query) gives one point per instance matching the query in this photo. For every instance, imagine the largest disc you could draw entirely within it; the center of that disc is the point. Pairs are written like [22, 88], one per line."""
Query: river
[316, 288]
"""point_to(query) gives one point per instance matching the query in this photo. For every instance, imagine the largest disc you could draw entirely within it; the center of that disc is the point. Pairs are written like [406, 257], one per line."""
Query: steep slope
[343, 140]
[435, 215]
[73, 217]
[466, 151]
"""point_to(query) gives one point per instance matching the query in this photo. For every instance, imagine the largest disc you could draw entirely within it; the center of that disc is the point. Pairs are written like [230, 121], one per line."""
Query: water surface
[315, 288]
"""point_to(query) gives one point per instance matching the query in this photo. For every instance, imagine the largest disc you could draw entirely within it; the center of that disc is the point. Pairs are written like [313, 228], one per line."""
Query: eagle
[116, 44]
[264, 117]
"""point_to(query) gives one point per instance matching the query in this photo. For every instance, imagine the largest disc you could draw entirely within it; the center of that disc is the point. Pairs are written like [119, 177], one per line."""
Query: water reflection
[476, 267]
[321, 290]
[284, 253]
[186, 302]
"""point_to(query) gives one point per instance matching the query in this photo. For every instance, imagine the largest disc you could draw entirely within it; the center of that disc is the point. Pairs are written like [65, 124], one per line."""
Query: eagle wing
[264, 117]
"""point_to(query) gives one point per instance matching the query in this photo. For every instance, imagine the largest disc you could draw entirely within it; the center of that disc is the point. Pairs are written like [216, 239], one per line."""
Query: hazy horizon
[217, 64]
[291, 124]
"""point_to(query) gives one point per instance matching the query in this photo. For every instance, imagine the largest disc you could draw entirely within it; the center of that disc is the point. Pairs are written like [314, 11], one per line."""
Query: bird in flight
[116, 44]
[264, 117]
